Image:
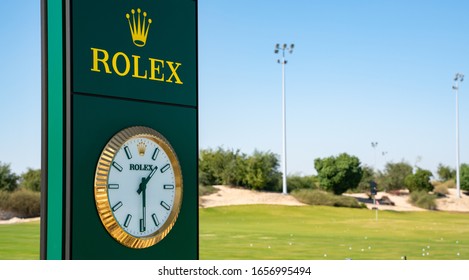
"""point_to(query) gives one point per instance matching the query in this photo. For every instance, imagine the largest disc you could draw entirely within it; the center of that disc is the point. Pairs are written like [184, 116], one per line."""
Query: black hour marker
[155, 219]
[113, 186]
[117, 166]
[155, 154]
[127, 220]
[127, 152]
[117, 206]
[142, 225]
[164, 168]
[168, 187]
[165, 205]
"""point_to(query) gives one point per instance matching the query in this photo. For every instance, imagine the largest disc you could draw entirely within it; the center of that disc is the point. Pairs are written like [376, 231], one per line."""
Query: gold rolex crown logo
[141, 147]
[138, 27]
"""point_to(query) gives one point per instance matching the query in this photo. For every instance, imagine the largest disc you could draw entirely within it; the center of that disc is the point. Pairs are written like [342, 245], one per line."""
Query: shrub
[221, 167]
[423, 200]
[338, 174]
[464, 176]
[394, 176]
[296, 182]
[441, 188]
[4, 198]
[31, 180]
[262, 171]
[318, 197]
[450, 184]
[228, 167]
[206, 190]
[445, 172]
[8, 179]
[25, 203]
[420, 181]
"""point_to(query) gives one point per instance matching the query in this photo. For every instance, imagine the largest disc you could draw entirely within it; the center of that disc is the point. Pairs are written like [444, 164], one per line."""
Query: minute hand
[145, 181]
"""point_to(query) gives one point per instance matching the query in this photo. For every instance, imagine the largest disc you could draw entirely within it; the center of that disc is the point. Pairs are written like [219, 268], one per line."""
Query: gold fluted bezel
[101, 187]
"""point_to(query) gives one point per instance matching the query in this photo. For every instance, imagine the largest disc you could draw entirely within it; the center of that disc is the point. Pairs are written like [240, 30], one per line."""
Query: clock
[138, 187]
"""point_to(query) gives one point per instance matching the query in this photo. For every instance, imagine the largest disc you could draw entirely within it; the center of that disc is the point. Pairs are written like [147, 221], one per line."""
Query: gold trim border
[101, 187]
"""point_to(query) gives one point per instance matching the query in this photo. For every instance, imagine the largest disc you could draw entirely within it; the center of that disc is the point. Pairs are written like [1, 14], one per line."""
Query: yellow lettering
[156, 69]
[136, 74]
[173, 72]
[123, 66]
[103, 60]
[127, 64]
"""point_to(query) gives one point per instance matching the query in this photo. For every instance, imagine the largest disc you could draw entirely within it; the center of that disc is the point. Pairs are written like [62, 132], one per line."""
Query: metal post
[284, 129]
[458, 183]
[457, 78]
[283, 61]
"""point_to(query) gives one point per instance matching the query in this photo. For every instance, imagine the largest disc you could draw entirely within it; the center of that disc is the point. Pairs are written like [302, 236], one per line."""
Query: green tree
[420, 181]
[235, 171]
[338, 174]
[221, 167]
[207, 174]
[262, 171]
[368, 176]
[8, 179]
[464, 176]
[31, 180]
[394, 175]
[445, 172]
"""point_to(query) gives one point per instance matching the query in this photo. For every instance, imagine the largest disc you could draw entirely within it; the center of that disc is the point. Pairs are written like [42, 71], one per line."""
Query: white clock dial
[141, 162]
[138, 187]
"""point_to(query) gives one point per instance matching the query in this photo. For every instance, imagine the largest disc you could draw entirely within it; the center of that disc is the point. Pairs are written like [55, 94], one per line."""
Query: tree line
[335, 174]
[19, 194]
[10, 181]
[260, 171]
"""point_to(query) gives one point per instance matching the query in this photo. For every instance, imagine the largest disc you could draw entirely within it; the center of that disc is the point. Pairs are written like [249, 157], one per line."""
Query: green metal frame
[52, 130]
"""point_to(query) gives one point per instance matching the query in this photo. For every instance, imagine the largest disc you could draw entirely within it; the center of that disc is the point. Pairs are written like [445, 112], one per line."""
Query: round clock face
[138, 187]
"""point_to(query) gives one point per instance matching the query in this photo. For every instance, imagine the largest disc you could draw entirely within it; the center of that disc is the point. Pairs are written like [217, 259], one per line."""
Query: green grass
[311, 233]
[318, 233]
[19, 241]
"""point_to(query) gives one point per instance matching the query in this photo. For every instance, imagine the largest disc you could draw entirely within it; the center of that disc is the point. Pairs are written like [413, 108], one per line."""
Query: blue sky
[361, 72]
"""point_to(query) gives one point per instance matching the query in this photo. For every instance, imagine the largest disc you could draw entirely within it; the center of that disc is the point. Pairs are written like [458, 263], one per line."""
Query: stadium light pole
[457, 79]
[283, 61]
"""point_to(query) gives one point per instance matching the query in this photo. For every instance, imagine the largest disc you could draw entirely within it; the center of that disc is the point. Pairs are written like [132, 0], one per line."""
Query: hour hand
[145, 181]
[141, 186]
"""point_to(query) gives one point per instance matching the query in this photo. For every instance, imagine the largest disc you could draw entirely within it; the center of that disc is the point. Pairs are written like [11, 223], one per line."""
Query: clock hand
[143, 184]
[143, 187]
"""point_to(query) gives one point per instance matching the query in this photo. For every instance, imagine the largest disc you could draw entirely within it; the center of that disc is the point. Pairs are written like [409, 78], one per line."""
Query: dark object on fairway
[440, 195]
[386, 201]
[373, 188]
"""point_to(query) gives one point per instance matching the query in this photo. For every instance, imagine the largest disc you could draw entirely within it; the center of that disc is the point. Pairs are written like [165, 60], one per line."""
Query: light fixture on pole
[283, 61]
[457, 78]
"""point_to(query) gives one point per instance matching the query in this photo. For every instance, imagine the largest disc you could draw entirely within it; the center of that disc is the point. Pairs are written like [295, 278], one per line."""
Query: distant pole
[457, 78]
[384, 155]
[374, 145]
[283, 61]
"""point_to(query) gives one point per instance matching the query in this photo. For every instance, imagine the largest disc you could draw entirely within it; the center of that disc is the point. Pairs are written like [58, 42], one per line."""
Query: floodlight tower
[457, 78]
[283, 61]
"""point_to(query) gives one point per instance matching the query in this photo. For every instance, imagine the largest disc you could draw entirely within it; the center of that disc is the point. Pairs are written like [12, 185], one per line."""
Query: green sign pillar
[120, 129]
